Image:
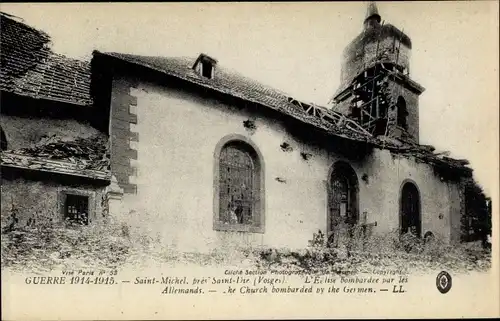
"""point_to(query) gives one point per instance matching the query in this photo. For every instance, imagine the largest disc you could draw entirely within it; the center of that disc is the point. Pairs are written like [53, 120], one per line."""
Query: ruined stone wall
[42, 197]
[174, 175]
[43, 200]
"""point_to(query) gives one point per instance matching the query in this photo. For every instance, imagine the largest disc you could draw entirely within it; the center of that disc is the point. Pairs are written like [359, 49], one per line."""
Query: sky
[297, 48]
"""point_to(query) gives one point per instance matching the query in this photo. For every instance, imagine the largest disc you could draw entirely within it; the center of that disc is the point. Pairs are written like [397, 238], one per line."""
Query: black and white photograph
[199, 160]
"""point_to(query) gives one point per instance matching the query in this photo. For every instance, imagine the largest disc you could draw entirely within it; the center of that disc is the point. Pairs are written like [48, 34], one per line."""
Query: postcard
[249, 160]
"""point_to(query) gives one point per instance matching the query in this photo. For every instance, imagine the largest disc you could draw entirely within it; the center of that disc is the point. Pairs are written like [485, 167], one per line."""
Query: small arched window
[239, 187]
[402, 113]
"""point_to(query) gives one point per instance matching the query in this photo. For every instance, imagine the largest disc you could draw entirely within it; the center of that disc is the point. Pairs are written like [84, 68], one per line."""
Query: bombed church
[204, 157]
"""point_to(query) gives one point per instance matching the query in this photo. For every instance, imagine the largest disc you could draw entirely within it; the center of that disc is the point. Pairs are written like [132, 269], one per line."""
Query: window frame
[258, 210]
[63, 194]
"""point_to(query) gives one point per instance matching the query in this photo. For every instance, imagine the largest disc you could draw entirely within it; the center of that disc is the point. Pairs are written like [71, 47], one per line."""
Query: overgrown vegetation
[403, 252]
[53, 246]
[44, 245]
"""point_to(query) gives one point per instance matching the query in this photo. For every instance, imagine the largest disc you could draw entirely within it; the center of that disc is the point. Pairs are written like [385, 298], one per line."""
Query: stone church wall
[174, 175]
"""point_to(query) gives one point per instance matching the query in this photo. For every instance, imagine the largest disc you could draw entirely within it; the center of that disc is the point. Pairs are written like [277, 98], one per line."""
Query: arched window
[3, 140]
[402, 113]
[238, 186]
[343, 199]
[410, 209]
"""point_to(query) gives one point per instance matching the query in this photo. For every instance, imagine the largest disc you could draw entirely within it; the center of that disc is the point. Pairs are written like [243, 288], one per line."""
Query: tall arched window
[402, 113]
[343, 199]
[238, 186]
[410, 209]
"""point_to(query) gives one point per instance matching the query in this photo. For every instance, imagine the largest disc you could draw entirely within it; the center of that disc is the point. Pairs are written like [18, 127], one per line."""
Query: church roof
[229, 82]
[233, 84]
[30, 68]
[224, 78]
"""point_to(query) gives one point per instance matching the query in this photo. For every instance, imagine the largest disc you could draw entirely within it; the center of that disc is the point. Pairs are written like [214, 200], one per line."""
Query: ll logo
[443, 282]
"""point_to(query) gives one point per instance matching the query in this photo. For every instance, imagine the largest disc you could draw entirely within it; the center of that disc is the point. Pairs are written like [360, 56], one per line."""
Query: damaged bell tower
[376, 89]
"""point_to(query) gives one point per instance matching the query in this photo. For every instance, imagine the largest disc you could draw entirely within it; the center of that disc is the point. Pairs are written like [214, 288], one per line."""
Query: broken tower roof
[377, 42]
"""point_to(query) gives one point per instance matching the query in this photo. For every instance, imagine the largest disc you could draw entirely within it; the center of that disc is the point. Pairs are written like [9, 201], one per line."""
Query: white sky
[296, 47]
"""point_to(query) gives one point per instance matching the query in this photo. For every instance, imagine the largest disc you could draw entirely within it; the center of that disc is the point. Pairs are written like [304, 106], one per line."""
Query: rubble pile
[87, 153]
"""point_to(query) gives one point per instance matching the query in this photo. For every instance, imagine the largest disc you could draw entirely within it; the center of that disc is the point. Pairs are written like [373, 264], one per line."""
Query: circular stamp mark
[443, 282]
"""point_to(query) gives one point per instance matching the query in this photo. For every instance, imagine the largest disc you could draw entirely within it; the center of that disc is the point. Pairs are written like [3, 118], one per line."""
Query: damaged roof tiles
[30, 68]
[88, 157]
[11, 159]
